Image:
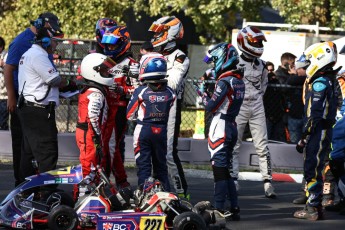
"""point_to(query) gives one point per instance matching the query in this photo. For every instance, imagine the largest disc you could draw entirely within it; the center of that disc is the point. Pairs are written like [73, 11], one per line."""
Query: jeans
[295, 127]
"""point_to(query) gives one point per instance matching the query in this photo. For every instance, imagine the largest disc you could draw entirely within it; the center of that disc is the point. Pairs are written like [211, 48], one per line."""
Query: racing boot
[310, 213]
[338, 207]
[235, 214]
[269, 190]
[328, 194]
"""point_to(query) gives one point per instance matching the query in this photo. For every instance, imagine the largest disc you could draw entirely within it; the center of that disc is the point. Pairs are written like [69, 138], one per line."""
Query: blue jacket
[150, 107]
[227, 97]
[320, 105]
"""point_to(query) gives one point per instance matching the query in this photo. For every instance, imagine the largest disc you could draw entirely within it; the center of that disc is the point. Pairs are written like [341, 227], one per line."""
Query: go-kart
[27, 207]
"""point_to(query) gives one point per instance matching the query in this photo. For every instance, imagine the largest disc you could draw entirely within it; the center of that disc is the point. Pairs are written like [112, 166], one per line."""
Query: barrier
[283, 156]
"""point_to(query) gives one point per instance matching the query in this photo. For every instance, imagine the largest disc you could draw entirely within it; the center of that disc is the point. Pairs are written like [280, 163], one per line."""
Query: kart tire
[62, 218]
[189, 221]
[65, 199]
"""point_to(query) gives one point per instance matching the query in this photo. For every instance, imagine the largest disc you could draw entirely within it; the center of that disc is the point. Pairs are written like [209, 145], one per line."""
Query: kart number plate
[152, 222]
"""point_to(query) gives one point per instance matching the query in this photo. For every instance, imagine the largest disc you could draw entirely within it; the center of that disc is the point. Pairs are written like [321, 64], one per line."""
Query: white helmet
[95, 67]
[320, 56]
[166, 29]
[249, 41]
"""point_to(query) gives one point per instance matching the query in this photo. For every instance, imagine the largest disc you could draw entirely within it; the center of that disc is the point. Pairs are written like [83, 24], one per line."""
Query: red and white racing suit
[92, 117]
[114, 134]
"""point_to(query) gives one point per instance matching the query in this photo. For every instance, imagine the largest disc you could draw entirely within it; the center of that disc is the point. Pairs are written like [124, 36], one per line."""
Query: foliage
[214, 19]
[78, 17]
[328, 13]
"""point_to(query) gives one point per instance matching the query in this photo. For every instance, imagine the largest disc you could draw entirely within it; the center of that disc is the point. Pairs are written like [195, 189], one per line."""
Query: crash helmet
[101, 27]
[116, 41]
[321, 56]
[250, 41]
[153, 66]
[166, 29]
[95, 67]
[224, 56]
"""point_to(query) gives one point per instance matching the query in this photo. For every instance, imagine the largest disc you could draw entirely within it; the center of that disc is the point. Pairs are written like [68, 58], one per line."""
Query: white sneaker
[237, 185]
[269, 190]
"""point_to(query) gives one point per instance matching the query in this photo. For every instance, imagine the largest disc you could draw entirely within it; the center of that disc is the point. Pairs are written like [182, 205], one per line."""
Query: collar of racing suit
[231, 73]
[250, 59]
[122, 57]
[330, 73]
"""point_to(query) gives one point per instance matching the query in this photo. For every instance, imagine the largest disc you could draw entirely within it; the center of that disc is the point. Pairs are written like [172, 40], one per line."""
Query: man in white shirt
[39, 83]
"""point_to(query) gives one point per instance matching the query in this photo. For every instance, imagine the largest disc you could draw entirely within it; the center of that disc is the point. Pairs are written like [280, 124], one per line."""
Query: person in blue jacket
[150, 106]
[337, 156]
[320, 108]
[224, 103]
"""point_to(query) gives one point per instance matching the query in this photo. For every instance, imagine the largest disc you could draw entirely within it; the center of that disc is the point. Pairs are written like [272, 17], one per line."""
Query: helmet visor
[208, 58]
[256, 41]
[157, 28]
[110, 39]
[104, 67]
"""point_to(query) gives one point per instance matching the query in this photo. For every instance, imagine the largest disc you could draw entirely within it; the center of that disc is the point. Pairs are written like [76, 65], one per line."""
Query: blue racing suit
[320, 111]
[151, 108]
[337, 156]
[225, 105]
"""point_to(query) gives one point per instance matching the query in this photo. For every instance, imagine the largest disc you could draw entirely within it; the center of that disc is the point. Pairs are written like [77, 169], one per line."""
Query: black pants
[17, 136]
[39, 139]
[175, 151]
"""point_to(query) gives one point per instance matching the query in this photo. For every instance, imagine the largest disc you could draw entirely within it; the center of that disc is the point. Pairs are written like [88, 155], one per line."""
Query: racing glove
[98, 145]
[133, 70]
[301, 145]
[199, 89]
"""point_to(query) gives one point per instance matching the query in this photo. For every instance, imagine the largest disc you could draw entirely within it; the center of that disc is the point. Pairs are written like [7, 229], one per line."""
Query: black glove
[98, 145]
[72, 86]
[300, 145]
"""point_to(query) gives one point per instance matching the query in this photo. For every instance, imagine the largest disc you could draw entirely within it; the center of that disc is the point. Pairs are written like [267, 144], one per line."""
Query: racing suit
[114, 134]
[178, 65]
[151, 108]
[337, 156]
[92, 117]
[225, 105]
[320, 111]
[253, 111]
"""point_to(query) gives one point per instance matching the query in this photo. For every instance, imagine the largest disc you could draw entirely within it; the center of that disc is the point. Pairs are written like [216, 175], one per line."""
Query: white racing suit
[178, 65]
[252, 111]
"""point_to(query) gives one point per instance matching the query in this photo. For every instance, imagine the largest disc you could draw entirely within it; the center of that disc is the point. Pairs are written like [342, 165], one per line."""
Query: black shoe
[235, 213]
[338, 207]
[300, 200]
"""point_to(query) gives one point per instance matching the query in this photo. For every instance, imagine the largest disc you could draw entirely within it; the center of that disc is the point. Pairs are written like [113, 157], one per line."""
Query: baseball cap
[147, 45]
[53, 21]
[299, 64]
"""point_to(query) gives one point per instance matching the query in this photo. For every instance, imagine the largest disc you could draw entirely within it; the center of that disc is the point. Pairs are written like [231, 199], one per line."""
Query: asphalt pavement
[257, 211]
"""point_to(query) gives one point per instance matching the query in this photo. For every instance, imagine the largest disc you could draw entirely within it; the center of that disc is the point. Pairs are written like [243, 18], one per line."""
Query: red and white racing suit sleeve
[96, 103]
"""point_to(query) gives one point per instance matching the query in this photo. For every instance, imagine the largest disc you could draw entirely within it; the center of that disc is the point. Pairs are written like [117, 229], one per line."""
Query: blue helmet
[116, 41]
[223, 55]
[153, 66]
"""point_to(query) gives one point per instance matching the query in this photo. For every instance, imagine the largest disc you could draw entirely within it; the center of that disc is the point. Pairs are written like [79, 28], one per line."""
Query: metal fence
[71, 52]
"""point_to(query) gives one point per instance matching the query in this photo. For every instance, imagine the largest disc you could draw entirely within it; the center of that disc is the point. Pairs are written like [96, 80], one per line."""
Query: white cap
[299, 64]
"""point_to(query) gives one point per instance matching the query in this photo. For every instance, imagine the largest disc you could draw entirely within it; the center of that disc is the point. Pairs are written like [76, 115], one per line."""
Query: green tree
[212, 18]
[328, 13]
[78, 17]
